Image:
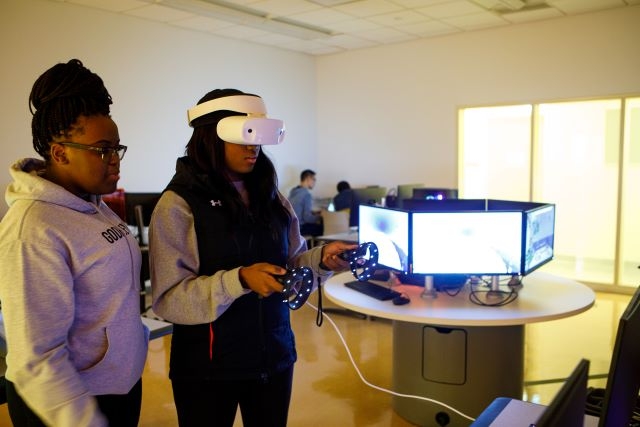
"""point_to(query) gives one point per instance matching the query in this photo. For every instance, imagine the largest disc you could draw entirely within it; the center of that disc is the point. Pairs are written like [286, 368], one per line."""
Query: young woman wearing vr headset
[220, 236]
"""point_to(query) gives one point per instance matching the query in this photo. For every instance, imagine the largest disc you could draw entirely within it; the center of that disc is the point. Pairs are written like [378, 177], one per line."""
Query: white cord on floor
[381, 388]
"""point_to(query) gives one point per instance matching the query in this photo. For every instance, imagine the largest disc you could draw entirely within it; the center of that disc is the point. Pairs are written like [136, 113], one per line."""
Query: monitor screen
[539, 235]
[446, 205]
[568, 405]
[389, 230]
[472, 243]
[405, 191]
[370, 195]
[623, 382]
[146, 200]
[435, 193]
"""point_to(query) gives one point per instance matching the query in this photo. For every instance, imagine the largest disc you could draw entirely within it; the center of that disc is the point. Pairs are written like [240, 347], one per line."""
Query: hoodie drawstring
[210, 341]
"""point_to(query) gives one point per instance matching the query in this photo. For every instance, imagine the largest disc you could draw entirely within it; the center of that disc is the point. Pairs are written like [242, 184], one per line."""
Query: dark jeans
[208, 403]
[122, 410]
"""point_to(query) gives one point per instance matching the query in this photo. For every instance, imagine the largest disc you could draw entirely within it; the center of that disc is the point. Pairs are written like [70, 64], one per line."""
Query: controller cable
[364, 380]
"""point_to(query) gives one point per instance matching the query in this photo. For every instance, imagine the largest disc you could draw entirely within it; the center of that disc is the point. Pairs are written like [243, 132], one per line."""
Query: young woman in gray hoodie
[69, 276]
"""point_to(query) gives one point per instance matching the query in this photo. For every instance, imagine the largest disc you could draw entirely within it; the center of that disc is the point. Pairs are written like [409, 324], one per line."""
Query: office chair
[116, 202]
[335, 222]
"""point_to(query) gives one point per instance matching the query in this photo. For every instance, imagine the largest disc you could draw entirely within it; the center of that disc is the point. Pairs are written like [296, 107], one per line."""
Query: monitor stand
[494, 290]
[429, 289]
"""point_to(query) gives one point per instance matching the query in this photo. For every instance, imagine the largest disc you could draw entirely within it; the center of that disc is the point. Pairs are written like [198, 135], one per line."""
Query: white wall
[154, 72]
[383, 115]
[387, 115]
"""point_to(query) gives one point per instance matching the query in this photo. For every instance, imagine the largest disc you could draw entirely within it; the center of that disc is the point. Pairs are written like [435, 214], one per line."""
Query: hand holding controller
[298, 283]
[362, 260]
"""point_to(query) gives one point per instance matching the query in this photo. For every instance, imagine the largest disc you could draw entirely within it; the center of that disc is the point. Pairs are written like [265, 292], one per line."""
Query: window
[497, 145]
[582, 156]
[629, 258]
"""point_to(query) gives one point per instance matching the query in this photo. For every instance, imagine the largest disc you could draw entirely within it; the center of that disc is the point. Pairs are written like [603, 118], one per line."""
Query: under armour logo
[216, 202]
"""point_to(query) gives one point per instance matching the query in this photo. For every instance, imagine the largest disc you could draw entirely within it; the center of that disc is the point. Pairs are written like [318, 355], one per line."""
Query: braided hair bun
[59, 96]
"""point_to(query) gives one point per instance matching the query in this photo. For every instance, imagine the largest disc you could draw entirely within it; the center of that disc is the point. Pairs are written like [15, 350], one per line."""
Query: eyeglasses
[106, 153]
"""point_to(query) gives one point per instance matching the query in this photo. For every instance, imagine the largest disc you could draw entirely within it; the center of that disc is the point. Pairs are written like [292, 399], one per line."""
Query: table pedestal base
[463, 367]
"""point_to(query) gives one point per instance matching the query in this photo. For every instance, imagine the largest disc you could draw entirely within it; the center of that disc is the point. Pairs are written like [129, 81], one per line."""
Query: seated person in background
[300, 198]
[346, 199]
[343, 199]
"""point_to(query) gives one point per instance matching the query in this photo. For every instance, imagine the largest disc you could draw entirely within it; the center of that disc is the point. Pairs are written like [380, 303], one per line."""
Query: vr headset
[253, 129]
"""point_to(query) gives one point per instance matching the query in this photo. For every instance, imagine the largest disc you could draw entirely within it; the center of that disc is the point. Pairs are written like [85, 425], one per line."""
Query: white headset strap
[247, 104]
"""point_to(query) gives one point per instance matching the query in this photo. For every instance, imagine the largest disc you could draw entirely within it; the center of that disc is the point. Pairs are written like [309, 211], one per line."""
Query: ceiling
[318, 27]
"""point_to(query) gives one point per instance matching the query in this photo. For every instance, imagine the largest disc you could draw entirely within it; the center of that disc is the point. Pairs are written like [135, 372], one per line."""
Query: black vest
[252, 339]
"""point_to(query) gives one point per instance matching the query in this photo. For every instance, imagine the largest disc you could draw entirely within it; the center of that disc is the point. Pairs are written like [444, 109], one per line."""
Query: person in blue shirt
[346, 199]
[343, 199]
[301, 200]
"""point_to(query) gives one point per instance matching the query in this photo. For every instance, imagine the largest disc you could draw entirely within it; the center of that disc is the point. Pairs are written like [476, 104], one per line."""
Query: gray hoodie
[69, 286]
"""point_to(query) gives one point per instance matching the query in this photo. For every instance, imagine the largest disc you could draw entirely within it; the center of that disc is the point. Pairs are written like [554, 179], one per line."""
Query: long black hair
[59, 96]
[205, 150]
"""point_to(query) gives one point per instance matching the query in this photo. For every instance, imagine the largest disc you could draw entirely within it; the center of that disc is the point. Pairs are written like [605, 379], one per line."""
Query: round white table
[460, 353]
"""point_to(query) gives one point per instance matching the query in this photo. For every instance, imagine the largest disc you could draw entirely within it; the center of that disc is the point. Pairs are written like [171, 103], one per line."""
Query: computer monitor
[372, 195]
[567, 409]
[446, 205]
[434, 193]
[623, 382]
[369, 195]
[405, 191]
[472, 243]
[389, 230]
[538, 237]
[147, 201]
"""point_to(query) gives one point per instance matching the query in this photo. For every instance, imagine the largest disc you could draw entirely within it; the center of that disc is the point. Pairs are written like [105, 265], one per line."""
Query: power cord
[319, 309]
[353, 363]
[493, 297]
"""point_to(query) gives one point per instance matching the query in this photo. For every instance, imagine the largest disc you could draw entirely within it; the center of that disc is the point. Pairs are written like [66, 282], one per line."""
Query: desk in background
[454, 351]
[349, 237]
[157, 328]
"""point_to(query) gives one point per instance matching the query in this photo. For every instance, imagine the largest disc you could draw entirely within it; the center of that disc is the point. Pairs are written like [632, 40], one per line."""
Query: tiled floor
[329, 392]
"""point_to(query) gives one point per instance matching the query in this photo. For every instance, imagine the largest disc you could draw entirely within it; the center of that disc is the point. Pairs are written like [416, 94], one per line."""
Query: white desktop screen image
[389, 230]
[539, 237]
[473, 243]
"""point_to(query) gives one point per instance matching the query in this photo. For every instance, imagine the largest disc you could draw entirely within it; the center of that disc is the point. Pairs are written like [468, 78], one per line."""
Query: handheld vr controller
[298, 283]
[362, 260]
